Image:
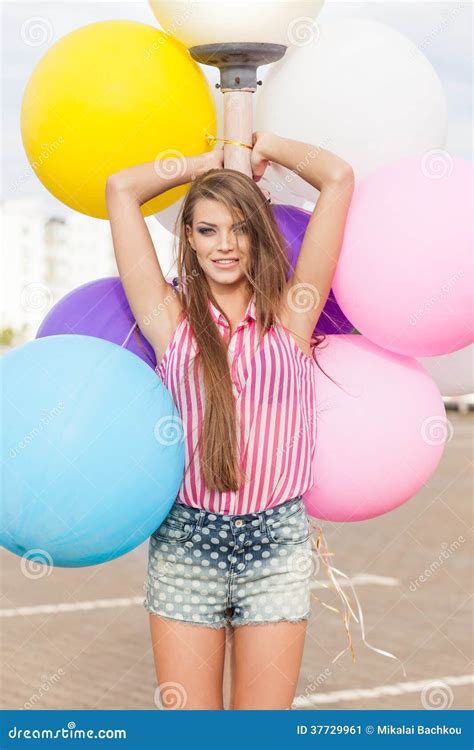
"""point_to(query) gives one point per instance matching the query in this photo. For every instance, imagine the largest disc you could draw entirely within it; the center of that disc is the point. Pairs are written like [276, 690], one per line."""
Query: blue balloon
[92, 451]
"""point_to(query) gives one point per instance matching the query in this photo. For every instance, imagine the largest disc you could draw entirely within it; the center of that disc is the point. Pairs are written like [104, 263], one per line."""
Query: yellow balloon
[108, 96]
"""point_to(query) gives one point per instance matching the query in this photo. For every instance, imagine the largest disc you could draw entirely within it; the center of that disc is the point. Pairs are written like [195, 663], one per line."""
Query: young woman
[234, 347]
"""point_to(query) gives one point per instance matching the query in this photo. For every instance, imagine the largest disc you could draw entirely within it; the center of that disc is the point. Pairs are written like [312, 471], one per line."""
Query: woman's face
[214, 237]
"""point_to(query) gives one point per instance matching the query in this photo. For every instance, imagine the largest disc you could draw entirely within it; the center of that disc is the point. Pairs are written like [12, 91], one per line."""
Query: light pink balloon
[404, 276]
[380, 433]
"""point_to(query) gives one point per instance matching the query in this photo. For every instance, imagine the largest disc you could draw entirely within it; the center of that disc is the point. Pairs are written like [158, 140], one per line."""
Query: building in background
[46, 256]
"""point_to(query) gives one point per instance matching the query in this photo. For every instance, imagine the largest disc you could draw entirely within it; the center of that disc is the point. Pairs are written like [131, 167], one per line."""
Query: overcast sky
[441, 29]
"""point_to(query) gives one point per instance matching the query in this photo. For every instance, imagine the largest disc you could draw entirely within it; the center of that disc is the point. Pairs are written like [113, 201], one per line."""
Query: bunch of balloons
[93, 449]
[93, 456]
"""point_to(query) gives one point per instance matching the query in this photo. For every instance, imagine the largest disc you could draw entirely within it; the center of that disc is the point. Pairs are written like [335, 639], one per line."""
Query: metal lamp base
[238, 61]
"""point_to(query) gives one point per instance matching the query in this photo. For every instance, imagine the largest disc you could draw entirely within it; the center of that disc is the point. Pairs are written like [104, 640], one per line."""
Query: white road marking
[398, 688]
[361, 579]
[49, 609]
[301, 701]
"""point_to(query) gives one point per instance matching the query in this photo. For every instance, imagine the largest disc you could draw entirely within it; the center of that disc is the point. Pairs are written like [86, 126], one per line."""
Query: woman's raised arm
[317, 260]
[155, 305]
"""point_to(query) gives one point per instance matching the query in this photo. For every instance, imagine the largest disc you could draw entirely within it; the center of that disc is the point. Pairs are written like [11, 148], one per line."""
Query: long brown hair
[267, 272]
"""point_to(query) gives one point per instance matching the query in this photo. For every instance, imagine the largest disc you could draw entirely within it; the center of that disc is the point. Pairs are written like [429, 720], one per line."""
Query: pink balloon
[380, 434]
[404, 276]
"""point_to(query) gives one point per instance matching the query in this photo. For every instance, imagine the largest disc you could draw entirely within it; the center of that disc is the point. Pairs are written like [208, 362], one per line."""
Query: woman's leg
[266, 664]
[189, 663]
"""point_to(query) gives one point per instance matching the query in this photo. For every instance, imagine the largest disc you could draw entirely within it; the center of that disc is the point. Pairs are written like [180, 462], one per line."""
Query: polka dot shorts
[213, 570]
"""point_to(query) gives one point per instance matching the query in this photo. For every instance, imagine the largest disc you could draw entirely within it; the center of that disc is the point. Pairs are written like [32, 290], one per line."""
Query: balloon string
[136, 333]
[323, 552]
[213, 139]
[129, 334]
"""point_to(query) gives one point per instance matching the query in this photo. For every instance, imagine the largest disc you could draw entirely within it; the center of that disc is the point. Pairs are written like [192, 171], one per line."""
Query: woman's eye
[236, 229]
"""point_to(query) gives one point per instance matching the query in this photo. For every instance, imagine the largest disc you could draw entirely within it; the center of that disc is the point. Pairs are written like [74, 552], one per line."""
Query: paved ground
[96, 652]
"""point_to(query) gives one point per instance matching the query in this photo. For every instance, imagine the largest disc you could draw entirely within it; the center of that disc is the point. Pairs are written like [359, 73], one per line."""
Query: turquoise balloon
[92, 452]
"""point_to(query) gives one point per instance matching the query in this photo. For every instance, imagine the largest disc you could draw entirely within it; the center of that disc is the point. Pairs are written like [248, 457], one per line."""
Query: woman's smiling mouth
[226, 263]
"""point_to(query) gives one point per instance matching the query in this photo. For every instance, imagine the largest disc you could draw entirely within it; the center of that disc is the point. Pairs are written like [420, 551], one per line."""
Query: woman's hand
[216, 158]
[202, 163]
[258, 162]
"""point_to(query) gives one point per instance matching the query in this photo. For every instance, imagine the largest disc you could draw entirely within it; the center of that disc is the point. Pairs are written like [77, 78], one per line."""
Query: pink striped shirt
[274, 390]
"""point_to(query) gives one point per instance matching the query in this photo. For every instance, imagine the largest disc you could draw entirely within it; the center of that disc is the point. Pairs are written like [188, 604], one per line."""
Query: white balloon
[167, 217]
[359, 89]
[282, 185]
[453, 373]
[218, 21]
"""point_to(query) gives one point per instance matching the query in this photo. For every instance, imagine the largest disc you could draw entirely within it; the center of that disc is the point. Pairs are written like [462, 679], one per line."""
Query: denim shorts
[211, 569]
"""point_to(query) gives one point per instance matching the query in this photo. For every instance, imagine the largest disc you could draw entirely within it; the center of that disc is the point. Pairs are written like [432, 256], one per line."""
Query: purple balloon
[292, 223]
[98, 308]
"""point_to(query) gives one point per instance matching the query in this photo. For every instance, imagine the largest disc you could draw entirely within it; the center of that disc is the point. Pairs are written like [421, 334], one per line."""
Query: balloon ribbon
[213, 139]
[322, 551]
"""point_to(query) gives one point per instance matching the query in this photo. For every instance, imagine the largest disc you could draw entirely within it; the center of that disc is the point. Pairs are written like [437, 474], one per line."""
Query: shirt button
[239, 523]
